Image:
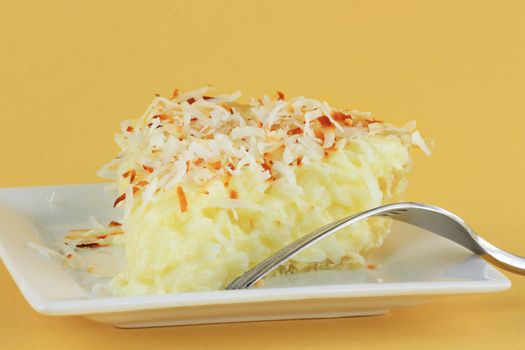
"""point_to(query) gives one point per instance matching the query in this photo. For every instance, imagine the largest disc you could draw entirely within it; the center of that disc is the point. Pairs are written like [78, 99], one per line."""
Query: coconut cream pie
[210, 187]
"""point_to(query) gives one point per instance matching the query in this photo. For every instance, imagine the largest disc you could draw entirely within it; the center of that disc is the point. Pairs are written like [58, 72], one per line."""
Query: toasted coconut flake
[340, 116]
[164, 117]
[91, 245]
[148, 168]
[325, 122]
[79, 230]
[295, 131]
[216, 165]
[228, 179]
[119, 199]
[183, 203]
[78, 234]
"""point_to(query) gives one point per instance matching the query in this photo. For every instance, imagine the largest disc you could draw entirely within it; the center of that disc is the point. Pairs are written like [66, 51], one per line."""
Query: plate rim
[102, 305]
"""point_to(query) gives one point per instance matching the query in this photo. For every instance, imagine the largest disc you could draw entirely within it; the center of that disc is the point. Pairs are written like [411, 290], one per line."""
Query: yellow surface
[70, 71]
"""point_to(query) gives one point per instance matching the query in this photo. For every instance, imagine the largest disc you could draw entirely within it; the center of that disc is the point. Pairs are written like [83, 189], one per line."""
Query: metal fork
[431, 218]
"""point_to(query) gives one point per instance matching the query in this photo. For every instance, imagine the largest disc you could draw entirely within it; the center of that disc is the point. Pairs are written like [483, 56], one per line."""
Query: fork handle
[501, 258]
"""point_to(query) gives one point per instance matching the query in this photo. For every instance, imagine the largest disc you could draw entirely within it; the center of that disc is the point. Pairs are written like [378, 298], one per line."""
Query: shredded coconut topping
[193, 138]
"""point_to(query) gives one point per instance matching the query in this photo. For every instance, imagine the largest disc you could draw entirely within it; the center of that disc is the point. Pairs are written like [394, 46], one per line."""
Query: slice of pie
[211, 187]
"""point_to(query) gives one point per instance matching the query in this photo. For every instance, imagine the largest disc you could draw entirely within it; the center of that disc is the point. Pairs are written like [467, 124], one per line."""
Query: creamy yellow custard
[211, 187]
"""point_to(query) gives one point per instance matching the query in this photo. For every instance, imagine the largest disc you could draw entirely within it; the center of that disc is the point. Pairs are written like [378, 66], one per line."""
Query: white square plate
[414, 267]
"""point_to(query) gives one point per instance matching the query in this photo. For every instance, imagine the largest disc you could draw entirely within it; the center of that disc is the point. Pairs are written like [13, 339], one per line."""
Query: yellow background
[71, 70]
